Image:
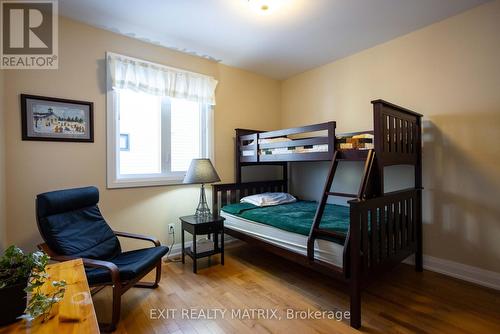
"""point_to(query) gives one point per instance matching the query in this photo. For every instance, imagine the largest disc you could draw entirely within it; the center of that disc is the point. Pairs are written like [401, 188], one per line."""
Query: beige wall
[243, 99]
[450, 72]
[3, 227]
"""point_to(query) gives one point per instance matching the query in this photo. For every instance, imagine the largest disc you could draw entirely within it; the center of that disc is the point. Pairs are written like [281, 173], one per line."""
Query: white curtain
[142, 76]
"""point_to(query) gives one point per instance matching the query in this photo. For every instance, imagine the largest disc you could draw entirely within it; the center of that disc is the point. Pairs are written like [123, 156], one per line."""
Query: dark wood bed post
[378, 127]
[285, 175]
[354, 238]
[419, 266]
[237, 153]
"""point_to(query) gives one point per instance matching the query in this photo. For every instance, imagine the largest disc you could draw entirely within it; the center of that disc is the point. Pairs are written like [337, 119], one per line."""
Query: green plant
[40, 304]
[16, 267]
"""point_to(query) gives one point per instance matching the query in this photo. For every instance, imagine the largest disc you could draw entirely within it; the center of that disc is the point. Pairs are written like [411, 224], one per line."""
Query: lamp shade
[201, 171]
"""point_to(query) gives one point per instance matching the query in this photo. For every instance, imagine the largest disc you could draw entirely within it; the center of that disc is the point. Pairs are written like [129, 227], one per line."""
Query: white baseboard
[461, 271]
[176, 249]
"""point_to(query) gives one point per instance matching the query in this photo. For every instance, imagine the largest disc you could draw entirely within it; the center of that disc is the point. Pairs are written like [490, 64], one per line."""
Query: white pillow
[267, 199]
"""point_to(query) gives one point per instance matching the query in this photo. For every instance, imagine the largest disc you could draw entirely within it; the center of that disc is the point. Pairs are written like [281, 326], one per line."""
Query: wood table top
[194, 220]
[74, 314]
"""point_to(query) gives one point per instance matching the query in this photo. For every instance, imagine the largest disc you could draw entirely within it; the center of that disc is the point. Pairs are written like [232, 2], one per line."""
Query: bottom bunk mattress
[288, 226]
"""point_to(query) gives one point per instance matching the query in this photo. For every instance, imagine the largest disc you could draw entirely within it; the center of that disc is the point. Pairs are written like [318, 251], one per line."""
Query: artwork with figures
[56, 119]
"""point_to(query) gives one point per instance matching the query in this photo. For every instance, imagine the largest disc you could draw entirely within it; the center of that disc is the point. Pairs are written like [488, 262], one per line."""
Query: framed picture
[53, 119]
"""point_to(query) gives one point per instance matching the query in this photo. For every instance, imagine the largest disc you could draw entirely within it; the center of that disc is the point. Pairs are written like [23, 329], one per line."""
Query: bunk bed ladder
[316, 231]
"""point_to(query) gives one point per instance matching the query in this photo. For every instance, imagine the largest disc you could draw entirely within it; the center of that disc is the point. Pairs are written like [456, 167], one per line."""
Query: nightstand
[212, 225]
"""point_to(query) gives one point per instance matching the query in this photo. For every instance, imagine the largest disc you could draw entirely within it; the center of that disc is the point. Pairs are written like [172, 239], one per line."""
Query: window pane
[140, 122]
[185, 133]
[124, 146]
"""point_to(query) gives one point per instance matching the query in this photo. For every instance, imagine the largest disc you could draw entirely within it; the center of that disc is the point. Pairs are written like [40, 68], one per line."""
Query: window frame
[114, 180]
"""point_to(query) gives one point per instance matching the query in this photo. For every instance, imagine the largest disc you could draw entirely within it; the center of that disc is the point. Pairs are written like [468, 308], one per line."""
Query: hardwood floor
[404, 302]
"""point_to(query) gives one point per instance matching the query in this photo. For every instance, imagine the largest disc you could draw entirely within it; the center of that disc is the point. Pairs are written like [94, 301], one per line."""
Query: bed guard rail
[249, 144]
[383, 231]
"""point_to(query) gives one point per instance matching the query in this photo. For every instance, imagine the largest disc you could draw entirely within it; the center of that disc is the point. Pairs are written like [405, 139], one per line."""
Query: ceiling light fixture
[265, 6]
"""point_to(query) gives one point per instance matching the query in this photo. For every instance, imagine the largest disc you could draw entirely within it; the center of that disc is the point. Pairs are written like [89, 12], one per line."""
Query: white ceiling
[297, 36]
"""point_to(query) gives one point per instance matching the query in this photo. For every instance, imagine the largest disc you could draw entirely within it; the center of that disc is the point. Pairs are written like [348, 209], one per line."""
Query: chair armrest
[155, 241]
[111, 267]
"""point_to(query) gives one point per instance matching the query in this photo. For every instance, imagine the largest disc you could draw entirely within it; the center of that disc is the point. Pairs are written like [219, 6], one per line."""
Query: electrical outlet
[171, 229]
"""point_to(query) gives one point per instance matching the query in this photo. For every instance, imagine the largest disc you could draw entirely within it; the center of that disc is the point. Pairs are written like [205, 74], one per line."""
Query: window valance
[143, 76]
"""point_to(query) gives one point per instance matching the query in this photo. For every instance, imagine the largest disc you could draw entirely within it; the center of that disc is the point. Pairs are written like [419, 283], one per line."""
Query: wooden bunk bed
[383, 228]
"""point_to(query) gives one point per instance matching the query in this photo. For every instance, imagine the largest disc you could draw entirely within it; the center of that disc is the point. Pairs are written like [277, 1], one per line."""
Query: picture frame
[54, 119]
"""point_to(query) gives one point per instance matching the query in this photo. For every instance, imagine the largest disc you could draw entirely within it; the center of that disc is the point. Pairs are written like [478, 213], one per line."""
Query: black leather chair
[72, 227]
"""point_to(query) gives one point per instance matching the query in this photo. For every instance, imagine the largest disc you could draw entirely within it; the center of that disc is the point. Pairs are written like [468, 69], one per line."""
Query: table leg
[194, 254]
[215, 246]
[222, 247]
[182, 245]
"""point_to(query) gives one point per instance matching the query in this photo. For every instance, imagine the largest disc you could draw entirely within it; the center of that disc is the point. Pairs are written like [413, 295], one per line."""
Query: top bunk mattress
[294, 217]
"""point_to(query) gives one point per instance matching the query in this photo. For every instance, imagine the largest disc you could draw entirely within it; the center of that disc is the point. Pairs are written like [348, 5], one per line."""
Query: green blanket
[294, 217]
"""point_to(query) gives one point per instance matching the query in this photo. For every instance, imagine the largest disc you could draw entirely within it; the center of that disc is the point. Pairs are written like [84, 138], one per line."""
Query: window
[159, 119]
[155, 138]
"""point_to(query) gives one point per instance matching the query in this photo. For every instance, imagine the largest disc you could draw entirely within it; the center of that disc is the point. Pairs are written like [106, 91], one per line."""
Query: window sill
[141, 183]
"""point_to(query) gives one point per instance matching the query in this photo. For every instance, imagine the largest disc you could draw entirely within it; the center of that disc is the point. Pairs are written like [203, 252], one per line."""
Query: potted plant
[22, 274]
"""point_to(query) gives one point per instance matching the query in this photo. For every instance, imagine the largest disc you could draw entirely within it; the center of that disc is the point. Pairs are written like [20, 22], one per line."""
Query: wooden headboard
[229, 193]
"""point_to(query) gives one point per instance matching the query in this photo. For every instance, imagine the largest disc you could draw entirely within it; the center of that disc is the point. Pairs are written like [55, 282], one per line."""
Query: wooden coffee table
[76, 307]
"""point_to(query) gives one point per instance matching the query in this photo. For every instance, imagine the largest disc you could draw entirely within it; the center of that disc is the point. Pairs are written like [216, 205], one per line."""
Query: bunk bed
[353, 244]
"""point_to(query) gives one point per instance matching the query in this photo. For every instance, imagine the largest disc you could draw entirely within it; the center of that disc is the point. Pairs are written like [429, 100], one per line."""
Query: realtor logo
[29, 34]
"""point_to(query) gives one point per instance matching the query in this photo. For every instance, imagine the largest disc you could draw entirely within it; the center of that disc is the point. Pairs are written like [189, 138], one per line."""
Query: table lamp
[201, 171]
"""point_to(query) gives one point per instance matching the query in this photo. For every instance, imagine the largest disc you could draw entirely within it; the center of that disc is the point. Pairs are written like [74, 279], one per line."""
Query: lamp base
[203, 211]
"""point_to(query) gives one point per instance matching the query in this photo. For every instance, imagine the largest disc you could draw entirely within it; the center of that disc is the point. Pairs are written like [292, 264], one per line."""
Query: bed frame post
[285, 176]
[237, 152]
[355, 265]
[419, 265]
[215, 201]
[378, 128]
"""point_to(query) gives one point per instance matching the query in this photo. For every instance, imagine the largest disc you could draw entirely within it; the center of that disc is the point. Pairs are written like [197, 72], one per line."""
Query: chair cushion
[130, 264]
[71, 224]
[82, 233]
[59, 201]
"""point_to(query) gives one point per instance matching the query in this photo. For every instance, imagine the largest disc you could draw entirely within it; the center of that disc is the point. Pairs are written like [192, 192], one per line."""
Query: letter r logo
[27, 27]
